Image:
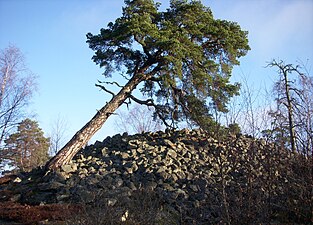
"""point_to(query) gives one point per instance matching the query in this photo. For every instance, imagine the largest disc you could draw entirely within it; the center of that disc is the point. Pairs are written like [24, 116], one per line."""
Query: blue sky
[52, 35]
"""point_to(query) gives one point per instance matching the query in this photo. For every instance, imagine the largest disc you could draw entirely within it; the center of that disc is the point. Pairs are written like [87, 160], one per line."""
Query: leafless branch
[148, 102]
[17, 84]
[106, 90]
[111, 83]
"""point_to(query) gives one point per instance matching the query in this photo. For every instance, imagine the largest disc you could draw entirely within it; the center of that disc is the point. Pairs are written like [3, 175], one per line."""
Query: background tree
[27, 148]
[284, 89]
[137, 119]
[293, 114]
[57, 134]
[17, 85]
[305, 113]
[181, 57]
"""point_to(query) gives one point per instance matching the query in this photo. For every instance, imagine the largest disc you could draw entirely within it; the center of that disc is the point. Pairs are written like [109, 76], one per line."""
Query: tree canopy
[184, 54]
[27, 148]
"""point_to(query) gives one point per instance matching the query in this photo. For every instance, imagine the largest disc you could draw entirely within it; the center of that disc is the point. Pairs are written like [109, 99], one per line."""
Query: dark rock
[151, 185]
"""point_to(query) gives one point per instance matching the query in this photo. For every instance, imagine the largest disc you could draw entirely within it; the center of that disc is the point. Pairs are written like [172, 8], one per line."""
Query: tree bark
[80, 139]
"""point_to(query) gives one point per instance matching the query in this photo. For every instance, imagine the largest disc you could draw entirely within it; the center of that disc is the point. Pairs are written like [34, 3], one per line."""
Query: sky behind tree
[52, 35]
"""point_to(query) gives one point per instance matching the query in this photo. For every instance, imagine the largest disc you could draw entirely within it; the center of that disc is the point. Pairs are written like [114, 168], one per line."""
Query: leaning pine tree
[182, 58]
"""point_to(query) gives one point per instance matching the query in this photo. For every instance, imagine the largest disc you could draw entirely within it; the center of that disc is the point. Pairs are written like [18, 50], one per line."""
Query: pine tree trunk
[80, 139]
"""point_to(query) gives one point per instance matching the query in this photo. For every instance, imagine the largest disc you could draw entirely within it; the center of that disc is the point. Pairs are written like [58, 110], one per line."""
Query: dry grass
[142, 207]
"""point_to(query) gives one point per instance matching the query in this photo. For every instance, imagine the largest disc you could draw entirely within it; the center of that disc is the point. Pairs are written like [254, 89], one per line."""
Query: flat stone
[129, 170]
[174, 177]
[124, 155]
[111, 201]
[86, 196]
[151, 185]
[134, 167]
[180, 174]
[67, 168]
[62, 197]
[194, 188]
[164, 175]
[104, 151]
[17, 180]
[180, 192]
[50, 186]
[140, 150]
[118, 182]
[172, 153]
[169, 143]
[132, 186]
[92, 180]
[168, 187]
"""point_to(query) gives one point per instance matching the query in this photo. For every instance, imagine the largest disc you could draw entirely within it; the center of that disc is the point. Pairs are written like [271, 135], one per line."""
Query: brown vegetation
[28, 215]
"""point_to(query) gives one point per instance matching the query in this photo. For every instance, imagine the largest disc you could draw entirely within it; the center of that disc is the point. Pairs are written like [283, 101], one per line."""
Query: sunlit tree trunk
[81, 138]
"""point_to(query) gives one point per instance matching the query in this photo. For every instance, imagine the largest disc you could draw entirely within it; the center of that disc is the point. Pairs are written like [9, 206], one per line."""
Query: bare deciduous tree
[283, 86]
[137, 120]
[17, 85]
[294, 103]
[57, 134]
[250, 108]
[305, 115]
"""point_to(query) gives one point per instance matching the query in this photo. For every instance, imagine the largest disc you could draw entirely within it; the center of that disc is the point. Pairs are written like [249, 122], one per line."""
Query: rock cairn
[192, 173]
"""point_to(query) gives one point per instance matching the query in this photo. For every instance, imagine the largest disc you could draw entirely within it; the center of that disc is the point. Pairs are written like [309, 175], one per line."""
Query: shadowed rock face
[190, 172]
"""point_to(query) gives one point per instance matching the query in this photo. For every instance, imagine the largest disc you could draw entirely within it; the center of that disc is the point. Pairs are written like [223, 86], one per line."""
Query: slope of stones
[193, 175]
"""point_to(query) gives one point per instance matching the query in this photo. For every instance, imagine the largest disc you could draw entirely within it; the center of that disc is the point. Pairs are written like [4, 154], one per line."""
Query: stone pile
[187, 170]
[184, 167]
